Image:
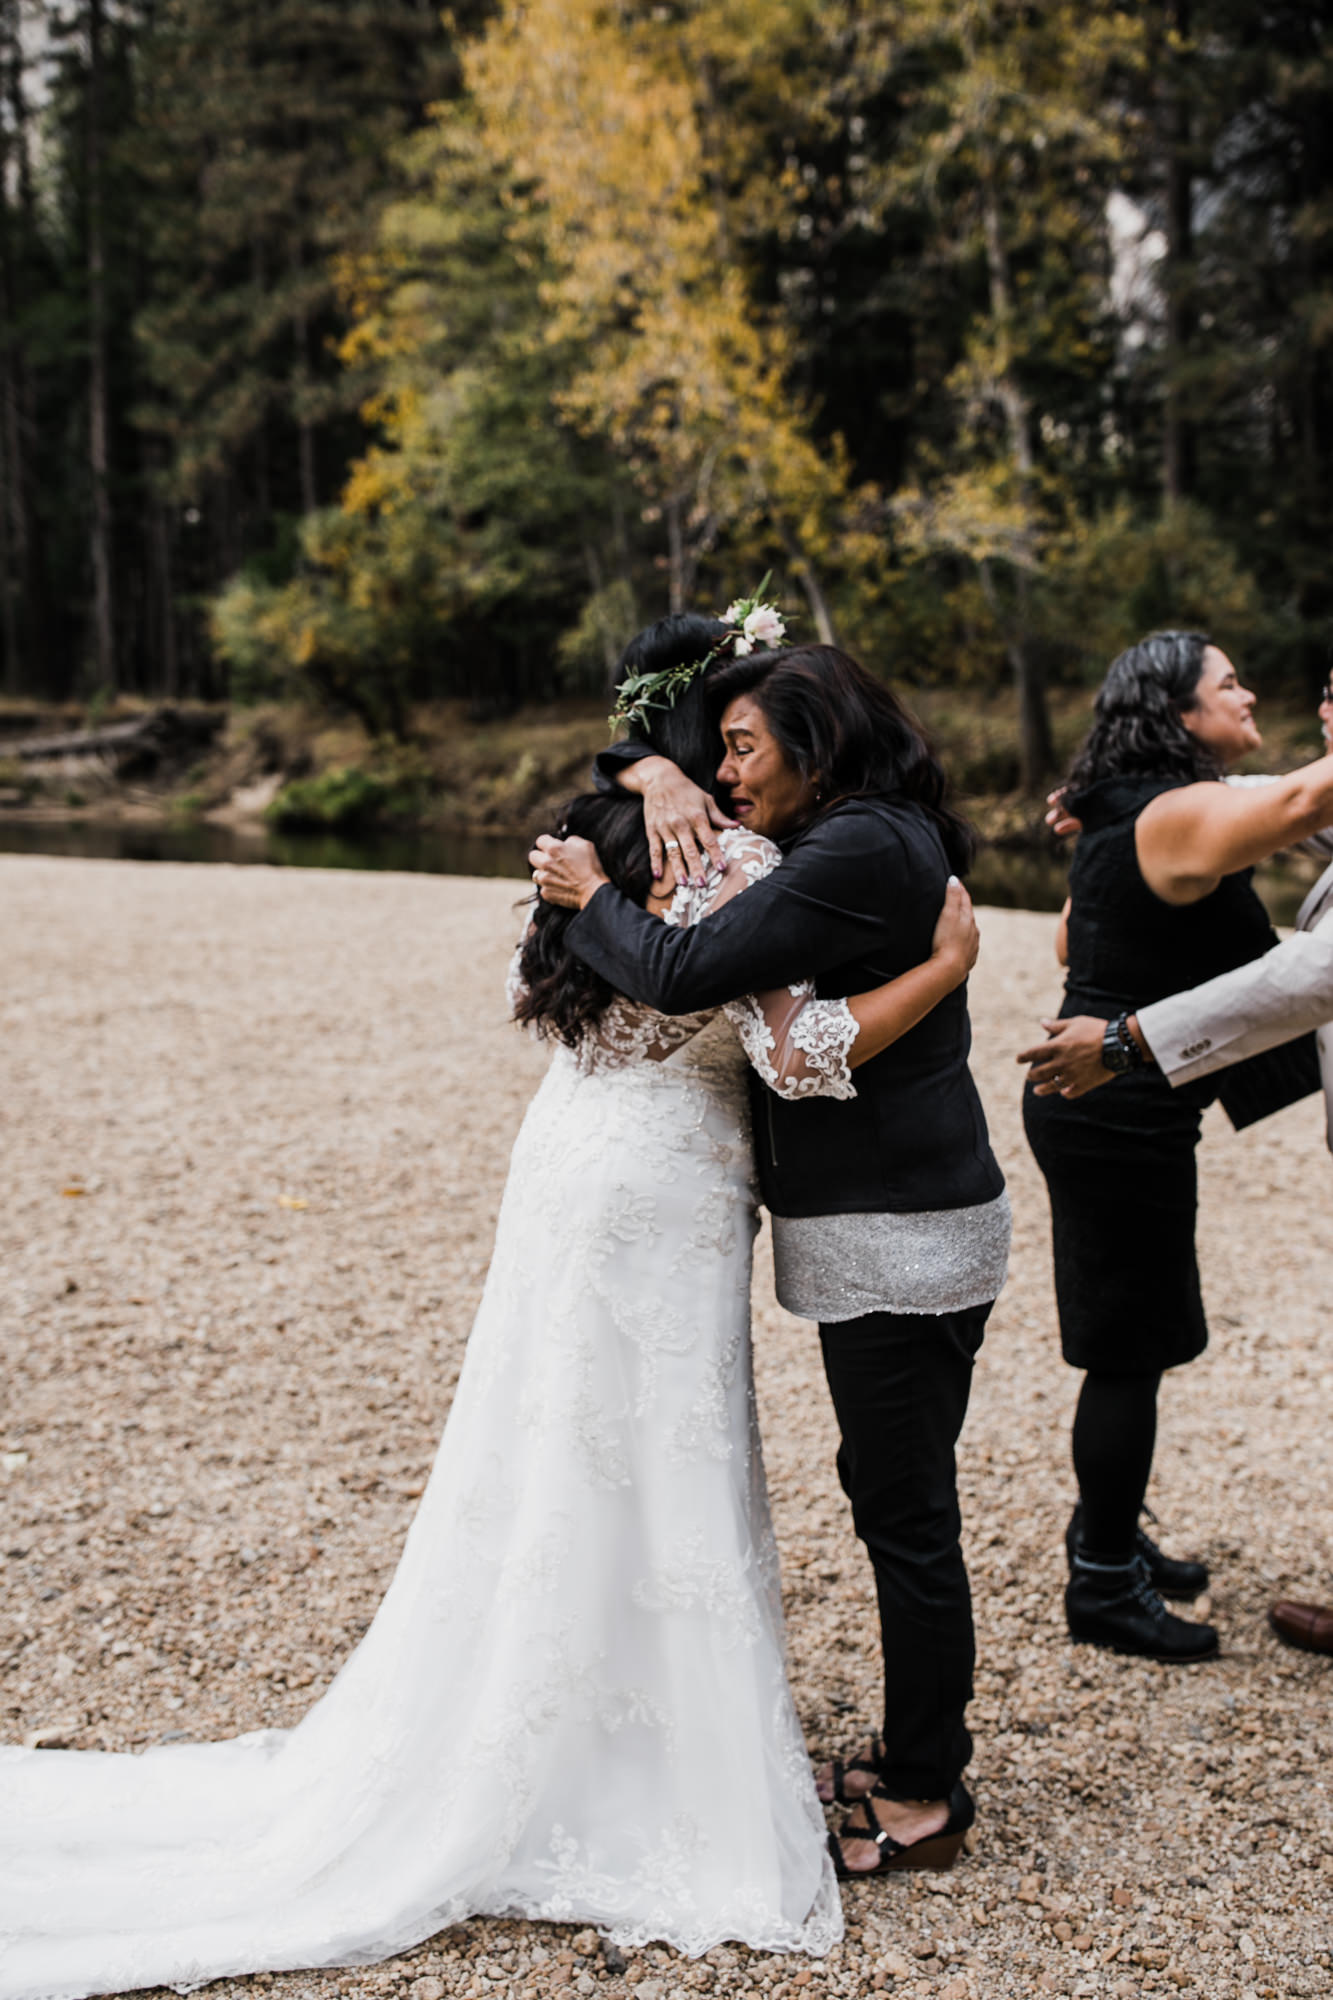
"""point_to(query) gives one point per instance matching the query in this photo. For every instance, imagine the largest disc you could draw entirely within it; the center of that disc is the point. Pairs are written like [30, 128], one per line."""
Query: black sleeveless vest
[1126, 946]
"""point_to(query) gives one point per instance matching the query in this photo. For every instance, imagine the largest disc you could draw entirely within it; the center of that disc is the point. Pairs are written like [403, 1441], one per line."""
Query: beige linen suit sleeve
[1273, 999]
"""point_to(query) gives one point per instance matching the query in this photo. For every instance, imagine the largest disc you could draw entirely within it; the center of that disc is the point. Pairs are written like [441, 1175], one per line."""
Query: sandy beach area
[254, 1125]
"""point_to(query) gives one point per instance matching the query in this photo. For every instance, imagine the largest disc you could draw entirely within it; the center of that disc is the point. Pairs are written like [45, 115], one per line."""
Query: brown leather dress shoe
[1306, 1625]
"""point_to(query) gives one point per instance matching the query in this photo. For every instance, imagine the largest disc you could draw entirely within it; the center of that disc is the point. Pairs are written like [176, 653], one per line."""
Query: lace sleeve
[750, 856]
[797, 1043]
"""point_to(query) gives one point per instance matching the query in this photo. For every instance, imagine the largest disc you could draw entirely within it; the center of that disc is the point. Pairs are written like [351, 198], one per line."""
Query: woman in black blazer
[891, 1226]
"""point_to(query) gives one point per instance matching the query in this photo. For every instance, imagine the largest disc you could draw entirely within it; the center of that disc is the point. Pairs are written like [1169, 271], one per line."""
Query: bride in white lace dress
[572, 1703]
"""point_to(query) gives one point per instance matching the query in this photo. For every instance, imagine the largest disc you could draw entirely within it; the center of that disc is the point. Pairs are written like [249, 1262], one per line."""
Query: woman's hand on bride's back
[567, 872]
[957, 940]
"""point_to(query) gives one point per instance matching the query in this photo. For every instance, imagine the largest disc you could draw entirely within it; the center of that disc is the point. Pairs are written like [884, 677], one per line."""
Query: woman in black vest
[890, 1223]
[1160, 900]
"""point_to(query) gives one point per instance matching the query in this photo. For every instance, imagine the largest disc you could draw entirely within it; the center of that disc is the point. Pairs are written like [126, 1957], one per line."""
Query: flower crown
[751, 623]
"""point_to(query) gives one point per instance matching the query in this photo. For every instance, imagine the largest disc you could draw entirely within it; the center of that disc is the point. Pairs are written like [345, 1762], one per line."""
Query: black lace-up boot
[1115, 1605]
[1181, 1580]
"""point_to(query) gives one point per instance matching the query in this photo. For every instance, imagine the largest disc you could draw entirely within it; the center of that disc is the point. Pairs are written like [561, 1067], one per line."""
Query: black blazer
[854, 903]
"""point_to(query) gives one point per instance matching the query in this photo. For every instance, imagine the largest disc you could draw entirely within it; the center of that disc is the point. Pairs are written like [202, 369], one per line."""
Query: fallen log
[143, 739]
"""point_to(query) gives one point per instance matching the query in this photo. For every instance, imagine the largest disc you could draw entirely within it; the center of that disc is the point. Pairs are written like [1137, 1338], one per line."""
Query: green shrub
[249, 635]
[345, 797]
[1115, 579]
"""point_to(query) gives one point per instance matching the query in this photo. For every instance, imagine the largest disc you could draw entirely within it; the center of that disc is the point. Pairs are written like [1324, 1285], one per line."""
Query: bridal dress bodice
[572, 1703]
[798, 1044]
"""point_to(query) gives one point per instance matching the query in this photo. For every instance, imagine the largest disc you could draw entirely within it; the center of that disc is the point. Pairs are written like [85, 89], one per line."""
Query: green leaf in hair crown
[751, 623]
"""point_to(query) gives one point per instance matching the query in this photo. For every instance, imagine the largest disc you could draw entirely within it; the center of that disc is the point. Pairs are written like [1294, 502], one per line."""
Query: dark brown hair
[563, 997]
[846, 732]
[1137, 731]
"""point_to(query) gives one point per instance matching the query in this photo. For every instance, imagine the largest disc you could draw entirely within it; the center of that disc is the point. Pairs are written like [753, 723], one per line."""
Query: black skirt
[1121, 1174]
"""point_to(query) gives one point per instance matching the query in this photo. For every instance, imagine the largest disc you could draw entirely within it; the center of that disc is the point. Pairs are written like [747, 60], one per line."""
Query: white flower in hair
[755, 623]
[752, 623]
[764, 626]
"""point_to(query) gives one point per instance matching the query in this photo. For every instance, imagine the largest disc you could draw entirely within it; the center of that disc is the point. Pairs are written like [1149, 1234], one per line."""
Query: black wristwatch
[1120, 1051]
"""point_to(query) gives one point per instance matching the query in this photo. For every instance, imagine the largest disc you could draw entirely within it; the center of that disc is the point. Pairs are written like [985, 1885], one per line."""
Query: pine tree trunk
[620, 542]
[104, 642]
[163, 615]
[808, 577]
[11, 566]
[22, 579]
[1178, 432]
[10, 661]
[592, 562]
[306, 441]
[1035, 743]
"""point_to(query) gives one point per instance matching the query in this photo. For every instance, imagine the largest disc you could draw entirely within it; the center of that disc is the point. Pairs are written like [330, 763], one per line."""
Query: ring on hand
[671, 845]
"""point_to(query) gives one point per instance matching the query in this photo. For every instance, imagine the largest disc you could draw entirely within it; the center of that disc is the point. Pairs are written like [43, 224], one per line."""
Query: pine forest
[366, 355]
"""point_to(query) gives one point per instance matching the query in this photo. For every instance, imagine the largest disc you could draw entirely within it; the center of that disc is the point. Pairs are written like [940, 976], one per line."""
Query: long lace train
[572, 1703]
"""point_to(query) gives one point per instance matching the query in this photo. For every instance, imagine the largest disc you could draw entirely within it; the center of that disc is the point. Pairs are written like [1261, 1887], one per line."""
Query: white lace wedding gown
[572, 1703]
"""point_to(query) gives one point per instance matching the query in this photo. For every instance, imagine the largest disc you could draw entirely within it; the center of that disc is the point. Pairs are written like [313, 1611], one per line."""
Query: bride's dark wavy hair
[847, 733]
[564, 997]
[1137, 731]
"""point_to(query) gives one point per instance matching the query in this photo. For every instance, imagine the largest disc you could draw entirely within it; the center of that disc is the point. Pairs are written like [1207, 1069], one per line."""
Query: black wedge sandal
[936, 1850]
[870, 1765]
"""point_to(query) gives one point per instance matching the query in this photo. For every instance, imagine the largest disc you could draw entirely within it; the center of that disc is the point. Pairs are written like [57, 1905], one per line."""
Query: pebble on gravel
[256, 1128]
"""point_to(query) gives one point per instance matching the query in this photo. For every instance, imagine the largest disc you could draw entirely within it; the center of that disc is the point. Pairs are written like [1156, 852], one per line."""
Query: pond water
[1004, 878]
[423, 853]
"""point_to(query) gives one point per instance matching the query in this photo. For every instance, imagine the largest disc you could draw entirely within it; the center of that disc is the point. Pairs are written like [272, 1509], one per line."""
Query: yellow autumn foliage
[601, 118]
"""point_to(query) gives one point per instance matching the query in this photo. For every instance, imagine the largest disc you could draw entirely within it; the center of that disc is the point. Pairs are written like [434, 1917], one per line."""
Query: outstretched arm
[1062, 822]
[1258, 1006]
[1319, 844]
[1189, 838]
[1273, 999]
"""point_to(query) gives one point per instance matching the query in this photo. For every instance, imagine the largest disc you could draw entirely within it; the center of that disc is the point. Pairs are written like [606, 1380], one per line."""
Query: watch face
[1114, 1055]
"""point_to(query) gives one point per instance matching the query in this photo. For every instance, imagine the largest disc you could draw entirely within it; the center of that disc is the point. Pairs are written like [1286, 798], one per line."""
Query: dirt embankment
[243, 766]
[454, 772]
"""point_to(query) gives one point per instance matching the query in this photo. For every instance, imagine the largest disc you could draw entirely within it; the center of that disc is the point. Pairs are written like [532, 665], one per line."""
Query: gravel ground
[255, 1124]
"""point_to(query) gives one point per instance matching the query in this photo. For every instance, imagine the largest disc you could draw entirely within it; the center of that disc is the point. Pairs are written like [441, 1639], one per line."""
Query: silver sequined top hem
[837, 1267]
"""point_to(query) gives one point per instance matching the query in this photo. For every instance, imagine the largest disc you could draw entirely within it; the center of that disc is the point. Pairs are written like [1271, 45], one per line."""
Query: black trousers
[900, 1384]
